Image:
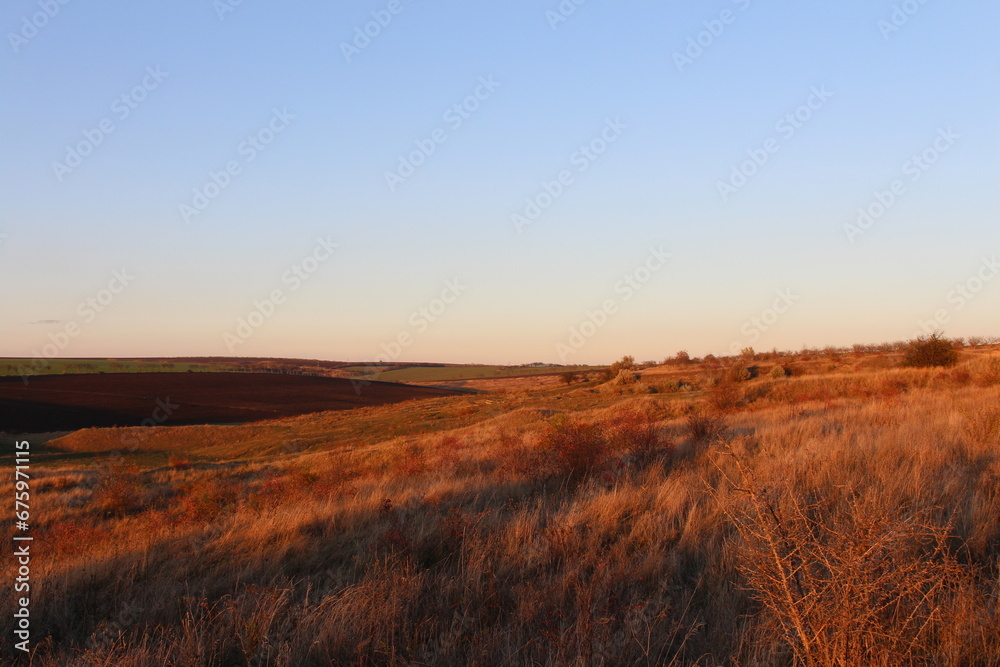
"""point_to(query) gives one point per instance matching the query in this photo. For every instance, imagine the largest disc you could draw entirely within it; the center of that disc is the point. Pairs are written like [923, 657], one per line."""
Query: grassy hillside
[447, 373]
[712, 514]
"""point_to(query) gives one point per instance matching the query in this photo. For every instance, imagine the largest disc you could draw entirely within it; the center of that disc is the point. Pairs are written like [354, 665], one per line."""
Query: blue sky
[684, 117]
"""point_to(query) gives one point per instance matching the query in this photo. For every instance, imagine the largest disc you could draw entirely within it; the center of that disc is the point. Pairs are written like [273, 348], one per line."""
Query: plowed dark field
[70, 402]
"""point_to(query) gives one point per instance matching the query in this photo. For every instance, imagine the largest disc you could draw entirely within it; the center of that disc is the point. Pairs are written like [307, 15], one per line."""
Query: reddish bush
[891, 387]
[932, 350]
[208, 498]
[299, 478]
[410, 461]
[638, 434]
[725, 395]
[703, 426]
[335, 482]
[72, 538]
[449, 450]
[278, 487]
[579, 449]
[119, 490]
[518, 458]
[569, 377]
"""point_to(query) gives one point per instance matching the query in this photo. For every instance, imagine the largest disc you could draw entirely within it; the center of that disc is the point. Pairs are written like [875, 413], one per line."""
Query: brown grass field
[841, 510]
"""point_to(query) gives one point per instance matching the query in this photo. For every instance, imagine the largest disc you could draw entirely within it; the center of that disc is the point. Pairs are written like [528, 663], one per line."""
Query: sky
[495, 182]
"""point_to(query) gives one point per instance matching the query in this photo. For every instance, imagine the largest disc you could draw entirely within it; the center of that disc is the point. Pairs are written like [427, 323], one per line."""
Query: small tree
[625, 377]
[932, 350]
[738, 372]
[626, 363]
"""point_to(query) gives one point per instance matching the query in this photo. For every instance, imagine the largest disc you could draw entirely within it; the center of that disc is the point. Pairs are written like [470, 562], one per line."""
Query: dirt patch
[70, 402]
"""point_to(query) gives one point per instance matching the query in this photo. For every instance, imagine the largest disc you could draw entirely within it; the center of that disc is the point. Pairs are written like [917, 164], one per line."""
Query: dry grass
[846, 518]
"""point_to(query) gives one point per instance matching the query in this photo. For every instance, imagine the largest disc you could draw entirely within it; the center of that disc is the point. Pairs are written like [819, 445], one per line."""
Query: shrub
[704, 426]
[738, 372]
[410, 461]
[638, 434]
[625, 377]
[673, 386]
[626, 363]
[778, 371]
[863, 586]
[681, 358]
[932, 350]
[517, 457]
[579, 449]
[207, 498]
[73, 538]
[119, 490]
[724, 395]
[569, 377]
[449, 450]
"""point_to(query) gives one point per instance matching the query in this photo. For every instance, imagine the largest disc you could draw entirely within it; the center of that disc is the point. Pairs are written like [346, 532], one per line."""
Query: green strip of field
[60, 366]
[366, 370]
[450, 373]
